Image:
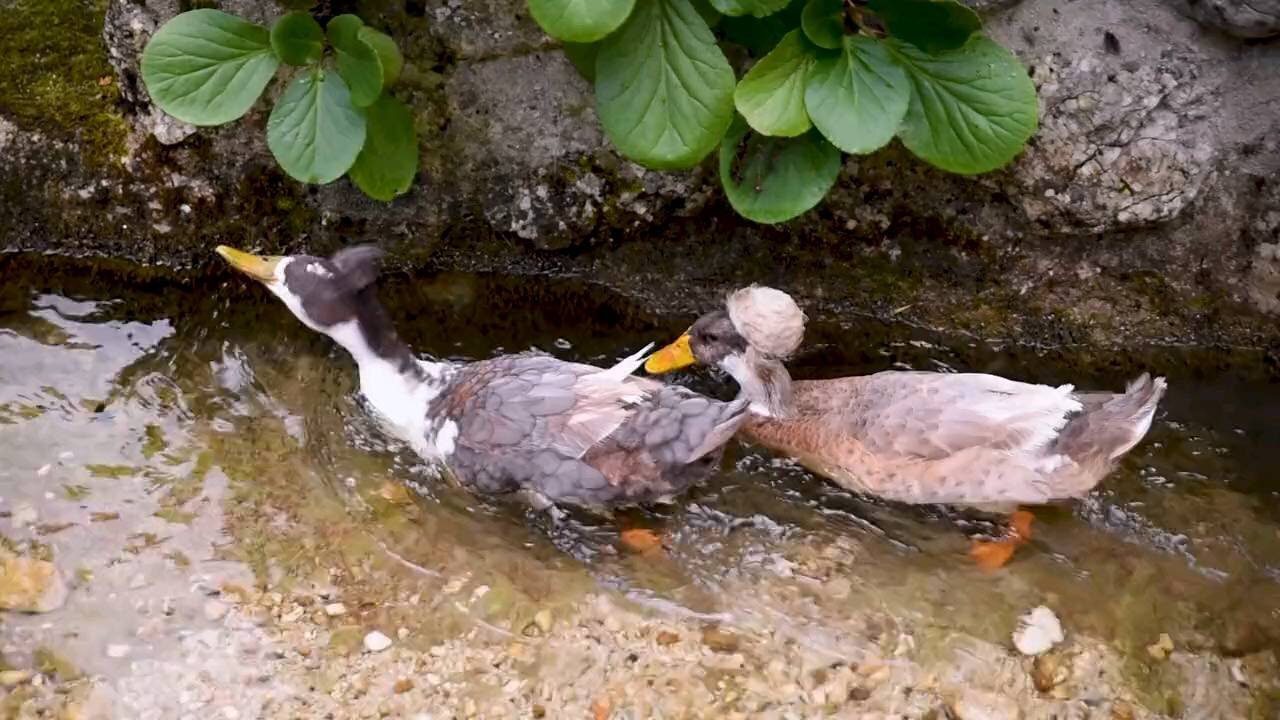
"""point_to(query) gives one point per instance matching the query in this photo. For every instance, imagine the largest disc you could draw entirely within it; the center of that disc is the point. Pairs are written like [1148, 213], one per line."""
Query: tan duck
[966, 439]
[527, 425]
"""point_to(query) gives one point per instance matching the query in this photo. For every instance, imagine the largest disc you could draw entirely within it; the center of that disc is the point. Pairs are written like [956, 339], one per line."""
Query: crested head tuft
[768, 319]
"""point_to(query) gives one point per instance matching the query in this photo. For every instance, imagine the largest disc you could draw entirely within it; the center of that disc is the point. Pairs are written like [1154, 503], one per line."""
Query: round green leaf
[389, 160]
[771, 95]
[972, 109]
[663, 87]
[858, 98]
[314, 131]
[358, 64]
[580, 20]
[297, 38]
[770, 179]
[388, 52]
[756, 8]
[206, 67]
[931, 25]
[823, 22]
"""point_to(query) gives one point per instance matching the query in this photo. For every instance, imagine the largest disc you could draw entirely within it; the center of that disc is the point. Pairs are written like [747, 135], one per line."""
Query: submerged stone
[28, 585]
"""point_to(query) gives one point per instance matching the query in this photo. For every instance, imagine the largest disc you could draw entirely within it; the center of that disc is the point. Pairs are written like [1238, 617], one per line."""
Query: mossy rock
[57, 79]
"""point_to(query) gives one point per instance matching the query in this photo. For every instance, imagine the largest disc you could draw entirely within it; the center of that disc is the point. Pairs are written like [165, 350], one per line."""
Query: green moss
[55, 60]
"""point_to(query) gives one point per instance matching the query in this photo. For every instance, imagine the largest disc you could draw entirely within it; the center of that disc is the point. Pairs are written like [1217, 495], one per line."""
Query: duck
[530, 426]
[971, 440]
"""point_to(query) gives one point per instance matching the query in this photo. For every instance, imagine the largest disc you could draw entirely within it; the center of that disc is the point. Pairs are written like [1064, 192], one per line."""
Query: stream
[196, 464]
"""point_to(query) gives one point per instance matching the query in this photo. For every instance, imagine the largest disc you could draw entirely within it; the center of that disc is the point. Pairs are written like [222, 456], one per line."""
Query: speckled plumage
[535, 423]
[529, 425]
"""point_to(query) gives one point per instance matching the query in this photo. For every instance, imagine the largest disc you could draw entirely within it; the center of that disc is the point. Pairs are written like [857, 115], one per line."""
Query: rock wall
[1146, 209]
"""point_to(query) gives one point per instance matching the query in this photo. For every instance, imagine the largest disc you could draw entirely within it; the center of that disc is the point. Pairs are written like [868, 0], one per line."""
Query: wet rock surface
[1241, 18]
[1157, 150]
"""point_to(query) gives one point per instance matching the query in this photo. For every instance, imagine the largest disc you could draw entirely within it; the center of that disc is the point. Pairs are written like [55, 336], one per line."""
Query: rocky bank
[1146, 209]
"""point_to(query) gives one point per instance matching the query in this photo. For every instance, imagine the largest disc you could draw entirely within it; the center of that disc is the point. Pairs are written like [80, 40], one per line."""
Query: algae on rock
[56, 78]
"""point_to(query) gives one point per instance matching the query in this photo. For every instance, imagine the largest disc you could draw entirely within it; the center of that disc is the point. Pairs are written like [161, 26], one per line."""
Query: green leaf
[583, 57]
[358, 64]
[388, 53]
[580, 20]
[770, 179]
[297, 38]
[931, 25]
[760, 35]
[663, 87]
[389, 160]
[823, 22]
[314, 131]
[858, 98]
[972, 109]
[756, 8]
[771, 95]
[206, 67]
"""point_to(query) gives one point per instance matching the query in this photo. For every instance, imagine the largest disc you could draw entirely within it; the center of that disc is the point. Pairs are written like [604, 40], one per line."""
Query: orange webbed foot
[992, 556]
[995, 554]
[641, 541]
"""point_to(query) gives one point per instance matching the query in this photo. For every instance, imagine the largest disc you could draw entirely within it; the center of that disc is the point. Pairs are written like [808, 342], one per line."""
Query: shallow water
[156, 434]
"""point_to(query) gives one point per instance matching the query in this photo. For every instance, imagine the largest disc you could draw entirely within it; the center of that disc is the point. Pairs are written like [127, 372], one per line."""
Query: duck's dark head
[333, 295]
[748, 338]
[321, 292]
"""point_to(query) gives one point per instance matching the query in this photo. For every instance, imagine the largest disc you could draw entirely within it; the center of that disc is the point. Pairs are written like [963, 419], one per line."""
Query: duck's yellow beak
[672, 357]
[259, 268]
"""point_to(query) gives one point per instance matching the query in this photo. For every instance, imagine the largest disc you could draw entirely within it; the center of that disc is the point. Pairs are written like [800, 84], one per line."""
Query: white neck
[401, 398]
[762, 380]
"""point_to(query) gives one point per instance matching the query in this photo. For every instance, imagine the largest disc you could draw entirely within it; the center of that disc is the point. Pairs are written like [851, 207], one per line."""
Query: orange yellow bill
[256, 267]
[672, 357]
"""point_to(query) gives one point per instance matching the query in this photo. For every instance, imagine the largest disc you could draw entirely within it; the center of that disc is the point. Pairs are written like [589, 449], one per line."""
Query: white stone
[117, 651]
[335, 609]
[1038, 631]
[215, 610]
[376, 642]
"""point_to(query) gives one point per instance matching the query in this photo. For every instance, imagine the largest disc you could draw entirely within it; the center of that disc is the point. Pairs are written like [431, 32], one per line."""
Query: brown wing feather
[934, 415]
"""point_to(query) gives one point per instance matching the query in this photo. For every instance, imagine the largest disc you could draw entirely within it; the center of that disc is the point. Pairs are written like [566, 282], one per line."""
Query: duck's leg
[991, 555]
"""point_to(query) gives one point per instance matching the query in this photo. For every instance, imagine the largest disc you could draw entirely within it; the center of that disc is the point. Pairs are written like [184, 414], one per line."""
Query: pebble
[666, 637]
[138, 581]
[10, 678]
[543, 620]
[29, 585]
[44, 470]
[118, 651]
[1038, 631]
[215, 610]
[719, 640]
[335, 609]
[1161, 648]
[376, 642]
